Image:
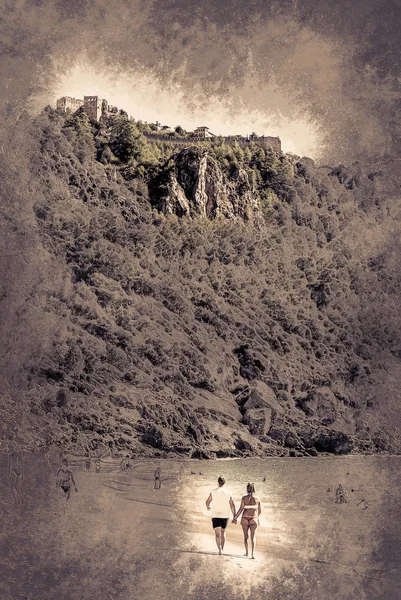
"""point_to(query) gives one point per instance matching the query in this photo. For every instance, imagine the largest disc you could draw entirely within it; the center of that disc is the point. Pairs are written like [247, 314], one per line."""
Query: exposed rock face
[259, 407]
[251, 365]
[325, 439]
[176, 201]
[192, 184]
[259, 420]
[333, 441]
[321, 403]
[262, 396]
[268, 419]
[292, 440]
[278, 434]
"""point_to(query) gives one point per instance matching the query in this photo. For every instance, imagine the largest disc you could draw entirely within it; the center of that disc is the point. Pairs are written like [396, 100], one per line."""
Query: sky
[324, 76]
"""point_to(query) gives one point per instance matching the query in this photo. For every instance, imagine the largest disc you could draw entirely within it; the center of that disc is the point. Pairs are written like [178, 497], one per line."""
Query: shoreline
[177, 458]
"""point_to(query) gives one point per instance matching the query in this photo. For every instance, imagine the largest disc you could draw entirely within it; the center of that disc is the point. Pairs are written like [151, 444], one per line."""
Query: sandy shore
[122, 539]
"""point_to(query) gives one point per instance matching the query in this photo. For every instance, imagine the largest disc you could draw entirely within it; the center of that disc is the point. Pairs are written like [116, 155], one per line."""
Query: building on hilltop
[203, 132]
[94, 106]
[67, 103]
[265, 142]
[97, 108]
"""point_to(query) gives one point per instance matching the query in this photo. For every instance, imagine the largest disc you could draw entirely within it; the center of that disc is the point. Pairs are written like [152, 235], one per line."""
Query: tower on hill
[94, 107]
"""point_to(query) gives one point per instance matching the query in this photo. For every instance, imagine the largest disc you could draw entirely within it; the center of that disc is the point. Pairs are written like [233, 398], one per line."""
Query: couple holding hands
[222, 501]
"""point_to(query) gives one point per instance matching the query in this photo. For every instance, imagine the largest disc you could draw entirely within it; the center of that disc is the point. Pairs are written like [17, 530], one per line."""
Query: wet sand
[121, 539]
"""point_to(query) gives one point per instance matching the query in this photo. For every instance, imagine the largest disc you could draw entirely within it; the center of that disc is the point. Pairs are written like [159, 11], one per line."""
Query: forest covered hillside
[209, 301]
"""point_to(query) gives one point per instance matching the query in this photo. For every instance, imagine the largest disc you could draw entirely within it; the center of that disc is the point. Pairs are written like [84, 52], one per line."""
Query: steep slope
[196, 302]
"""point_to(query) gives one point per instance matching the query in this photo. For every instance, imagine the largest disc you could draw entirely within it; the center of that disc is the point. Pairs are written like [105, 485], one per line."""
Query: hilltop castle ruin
[98, 108]
[95, 107]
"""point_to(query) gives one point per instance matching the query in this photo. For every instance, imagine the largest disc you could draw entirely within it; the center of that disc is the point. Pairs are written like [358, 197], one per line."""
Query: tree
[126, 140]
[247, 155]
[82, 138]
[106, 156]
[180, 130]
[238, 152]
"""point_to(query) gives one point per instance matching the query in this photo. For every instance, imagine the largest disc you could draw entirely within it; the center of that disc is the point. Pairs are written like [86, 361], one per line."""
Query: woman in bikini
[251, 509]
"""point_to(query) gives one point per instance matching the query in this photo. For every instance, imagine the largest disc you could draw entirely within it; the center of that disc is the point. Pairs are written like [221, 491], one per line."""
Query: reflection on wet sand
[124, 539]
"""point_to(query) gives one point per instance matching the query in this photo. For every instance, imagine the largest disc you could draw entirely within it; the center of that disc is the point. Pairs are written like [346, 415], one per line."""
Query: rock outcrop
[322, 404]
[259, 407]
[192, 184]
[259, 420]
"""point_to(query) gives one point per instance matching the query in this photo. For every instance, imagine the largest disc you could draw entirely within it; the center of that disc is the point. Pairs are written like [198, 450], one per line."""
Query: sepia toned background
[326, 78]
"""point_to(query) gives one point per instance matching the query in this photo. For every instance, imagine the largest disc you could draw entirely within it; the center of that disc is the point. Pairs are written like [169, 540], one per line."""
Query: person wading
[64, 483]
[250, 505]
[222, 501]
[15, 475]
[158, 479]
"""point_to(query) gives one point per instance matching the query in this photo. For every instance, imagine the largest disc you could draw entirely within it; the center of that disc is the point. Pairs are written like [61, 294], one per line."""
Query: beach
[122, 539]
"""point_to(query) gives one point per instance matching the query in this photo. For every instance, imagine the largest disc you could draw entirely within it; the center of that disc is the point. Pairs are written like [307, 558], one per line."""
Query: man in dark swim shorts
[222, 501]
[64, 482]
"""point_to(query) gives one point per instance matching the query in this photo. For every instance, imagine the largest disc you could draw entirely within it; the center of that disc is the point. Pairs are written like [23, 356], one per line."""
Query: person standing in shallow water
[125, 464]
[251, 509]
[158, 480]
[221, 500]
[15, 475]
[64, 482]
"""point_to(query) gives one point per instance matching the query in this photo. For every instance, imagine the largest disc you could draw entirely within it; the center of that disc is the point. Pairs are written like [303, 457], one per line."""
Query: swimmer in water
[341, 495]
[125, 464]
[15, 475]
[64, 482]
[251, 509]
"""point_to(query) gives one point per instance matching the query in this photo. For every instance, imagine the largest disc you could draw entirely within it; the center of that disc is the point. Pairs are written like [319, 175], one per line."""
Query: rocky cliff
[205, 303]
[193, 185]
